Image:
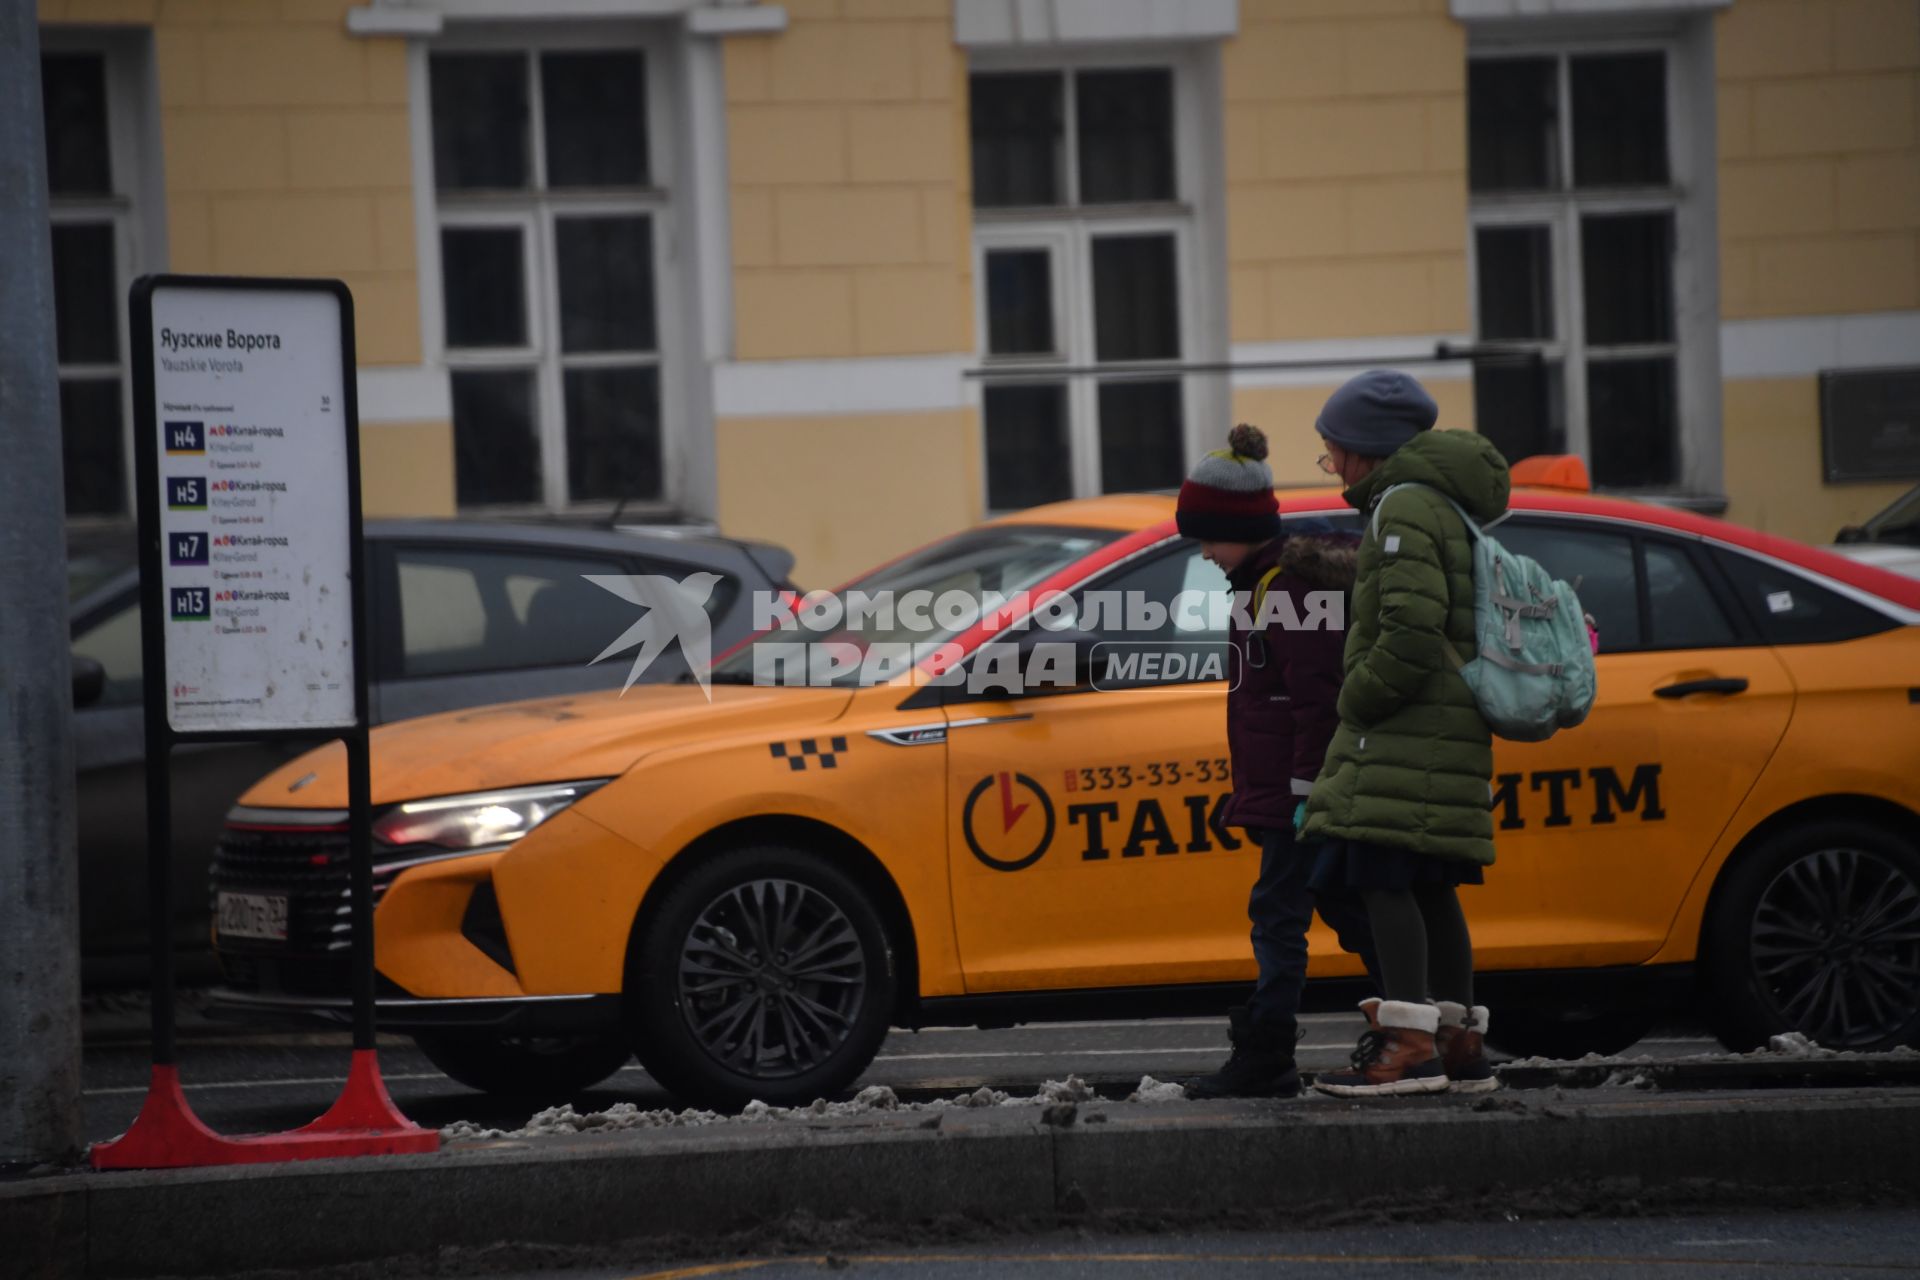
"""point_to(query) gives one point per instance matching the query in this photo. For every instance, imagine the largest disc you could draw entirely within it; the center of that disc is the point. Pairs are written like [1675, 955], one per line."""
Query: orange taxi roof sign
[1552, 471]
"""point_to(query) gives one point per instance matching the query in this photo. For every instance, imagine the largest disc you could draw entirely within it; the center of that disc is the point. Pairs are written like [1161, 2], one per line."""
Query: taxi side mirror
[89, 681]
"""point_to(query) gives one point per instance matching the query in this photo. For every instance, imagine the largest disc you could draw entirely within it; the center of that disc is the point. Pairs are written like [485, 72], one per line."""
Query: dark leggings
[1422, 941]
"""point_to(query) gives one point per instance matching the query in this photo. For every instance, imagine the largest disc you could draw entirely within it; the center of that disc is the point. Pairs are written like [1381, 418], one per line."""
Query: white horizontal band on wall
[1802, 346]
[1496, 10]
[1004, 24]
[803, 388]
[1401, 353]
[407, 394]
[428, 17]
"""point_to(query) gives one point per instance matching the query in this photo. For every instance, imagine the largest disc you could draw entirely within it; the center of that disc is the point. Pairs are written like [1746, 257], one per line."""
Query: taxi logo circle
[1010, 831]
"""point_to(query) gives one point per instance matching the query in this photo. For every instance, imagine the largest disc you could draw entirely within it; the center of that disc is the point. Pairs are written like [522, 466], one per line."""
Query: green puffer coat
[1411, 765]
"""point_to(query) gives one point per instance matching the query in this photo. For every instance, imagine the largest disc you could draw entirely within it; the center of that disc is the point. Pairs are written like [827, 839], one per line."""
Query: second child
[1281, 713]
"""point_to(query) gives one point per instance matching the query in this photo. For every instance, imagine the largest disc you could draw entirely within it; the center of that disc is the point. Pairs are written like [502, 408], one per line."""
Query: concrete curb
[1006, 1165]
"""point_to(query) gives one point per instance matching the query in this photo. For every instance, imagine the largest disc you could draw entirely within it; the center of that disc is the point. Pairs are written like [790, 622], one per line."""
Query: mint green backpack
[1532, 674]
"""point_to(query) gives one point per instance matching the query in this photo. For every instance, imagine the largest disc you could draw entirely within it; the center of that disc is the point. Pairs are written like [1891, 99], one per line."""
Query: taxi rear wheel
[766, 973]
[1817, 930]
[545, 1067]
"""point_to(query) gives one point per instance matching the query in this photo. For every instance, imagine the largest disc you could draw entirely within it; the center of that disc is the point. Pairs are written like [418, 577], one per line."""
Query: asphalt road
[248, 1081]
[1841, 1244]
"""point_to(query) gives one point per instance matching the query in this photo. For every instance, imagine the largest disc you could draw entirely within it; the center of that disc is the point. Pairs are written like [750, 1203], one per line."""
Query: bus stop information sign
[255, 497]
[252, 607]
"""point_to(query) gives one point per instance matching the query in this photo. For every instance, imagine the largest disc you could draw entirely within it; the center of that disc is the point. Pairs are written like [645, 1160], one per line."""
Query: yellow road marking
[727, 1268]
[1309, 1259]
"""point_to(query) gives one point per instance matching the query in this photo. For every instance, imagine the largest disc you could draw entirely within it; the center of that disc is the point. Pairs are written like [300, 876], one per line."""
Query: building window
[1083, 234]
[91, 206]
[551, 215]
[1576, 210]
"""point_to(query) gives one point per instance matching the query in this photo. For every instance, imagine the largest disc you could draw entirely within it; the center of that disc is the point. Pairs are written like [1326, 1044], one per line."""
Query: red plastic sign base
[362, 1122]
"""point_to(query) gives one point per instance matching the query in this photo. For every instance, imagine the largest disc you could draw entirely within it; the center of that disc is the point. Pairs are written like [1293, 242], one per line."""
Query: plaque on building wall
[1870, 423]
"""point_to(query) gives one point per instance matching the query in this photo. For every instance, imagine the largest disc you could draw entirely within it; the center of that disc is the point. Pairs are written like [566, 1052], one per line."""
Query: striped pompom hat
[1229, 496]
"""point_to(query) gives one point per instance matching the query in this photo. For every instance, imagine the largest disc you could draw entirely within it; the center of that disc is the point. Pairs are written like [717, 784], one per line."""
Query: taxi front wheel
[1817, 930]
[765, 973]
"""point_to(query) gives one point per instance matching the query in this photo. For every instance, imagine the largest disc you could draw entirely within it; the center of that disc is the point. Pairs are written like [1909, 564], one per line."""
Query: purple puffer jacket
[1282, 713]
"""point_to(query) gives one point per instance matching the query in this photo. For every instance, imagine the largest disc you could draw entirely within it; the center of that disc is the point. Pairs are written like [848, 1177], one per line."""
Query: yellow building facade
[850, 274]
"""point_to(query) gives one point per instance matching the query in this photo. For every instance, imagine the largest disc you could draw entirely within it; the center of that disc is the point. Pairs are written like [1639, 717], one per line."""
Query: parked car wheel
[1817, 930]
[544, 1067]
[1531, 1033]
[766, 973]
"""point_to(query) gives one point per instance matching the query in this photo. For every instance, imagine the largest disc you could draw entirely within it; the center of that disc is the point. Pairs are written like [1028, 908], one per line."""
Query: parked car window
[1599, 567]
[1681, 610]
[89, 569]
[465, 610]
[114, 643]
[1789, 609]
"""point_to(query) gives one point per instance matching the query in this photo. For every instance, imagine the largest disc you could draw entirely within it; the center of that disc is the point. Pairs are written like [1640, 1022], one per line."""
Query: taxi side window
[1186, 623]
[1788, 609]
[1598, 565]
[1681, 610]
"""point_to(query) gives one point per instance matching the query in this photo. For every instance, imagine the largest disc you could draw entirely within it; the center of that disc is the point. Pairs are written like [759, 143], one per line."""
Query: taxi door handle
[1722, 684]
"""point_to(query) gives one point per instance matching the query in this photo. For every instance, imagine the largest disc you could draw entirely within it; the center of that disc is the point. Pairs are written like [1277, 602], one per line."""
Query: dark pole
[1542, 402]
[360, 838]
[39, 884]
[153, 661]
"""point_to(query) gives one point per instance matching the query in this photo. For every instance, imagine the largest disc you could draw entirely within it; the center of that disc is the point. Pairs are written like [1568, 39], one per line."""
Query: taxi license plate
[254, 915]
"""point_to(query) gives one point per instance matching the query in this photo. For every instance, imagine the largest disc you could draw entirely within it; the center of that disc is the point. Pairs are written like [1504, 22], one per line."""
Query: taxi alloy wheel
[772, 977]
[1826, 941]
[764, 973]
[1836, 944]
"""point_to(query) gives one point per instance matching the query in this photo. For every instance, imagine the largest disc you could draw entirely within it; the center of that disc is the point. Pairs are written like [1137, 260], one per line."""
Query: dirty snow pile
[1792, 1044]
[875, 1098]
[1156, 1091]
[564, 1119]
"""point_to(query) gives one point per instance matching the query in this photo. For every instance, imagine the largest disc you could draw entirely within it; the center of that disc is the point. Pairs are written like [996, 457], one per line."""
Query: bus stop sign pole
[252, 627]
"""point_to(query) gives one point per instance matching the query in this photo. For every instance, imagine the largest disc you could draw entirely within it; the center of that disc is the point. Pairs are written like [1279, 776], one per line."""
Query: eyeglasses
[1325, 463]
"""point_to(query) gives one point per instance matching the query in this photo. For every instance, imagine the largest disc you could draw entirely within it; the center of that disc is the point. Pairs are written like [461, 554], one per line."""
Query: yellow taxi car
[747, 885]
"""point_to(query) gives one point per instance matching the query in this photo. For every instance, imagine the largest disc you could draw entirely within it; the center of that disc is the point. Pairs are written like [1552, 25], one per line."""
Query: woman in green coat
[1401, 806]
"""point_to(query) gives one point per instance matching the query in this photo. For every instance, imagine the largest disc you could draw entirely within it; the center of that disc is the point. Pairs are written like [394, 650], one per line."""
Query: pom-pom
[1248, 441]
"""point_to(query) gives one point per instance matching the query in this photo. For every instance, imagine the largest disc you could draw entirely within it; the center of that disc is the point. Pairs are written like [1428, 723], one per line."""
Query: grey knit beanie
[1376, 412]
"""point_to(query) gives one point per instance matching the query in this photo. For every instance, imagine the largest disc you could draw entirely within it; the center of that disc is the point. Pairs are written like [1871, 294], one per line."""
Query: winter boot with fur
[1395, 1055]
[1261, 1065]
[1463, 1050]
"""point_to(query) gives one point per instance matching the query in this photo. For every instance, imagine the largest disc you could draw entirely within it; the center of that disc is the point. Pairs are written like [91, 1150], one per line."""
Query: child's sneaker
[1461, 1042]
[1395, 1055]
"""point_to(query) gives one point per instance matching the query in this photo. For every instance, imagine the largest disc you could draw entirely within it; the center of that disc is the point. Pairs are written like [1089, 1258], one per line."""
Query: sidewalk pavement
[896, 1173]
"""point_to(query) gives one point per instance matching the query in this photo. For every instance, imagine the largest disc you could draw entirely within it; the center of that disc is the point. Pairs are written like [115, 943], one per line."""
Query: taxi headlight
[484, 820]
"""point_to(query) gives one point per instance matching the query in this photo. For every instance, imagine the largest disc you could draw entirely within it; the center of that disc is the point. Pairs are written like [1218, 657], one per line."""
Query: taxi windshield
[981, 565]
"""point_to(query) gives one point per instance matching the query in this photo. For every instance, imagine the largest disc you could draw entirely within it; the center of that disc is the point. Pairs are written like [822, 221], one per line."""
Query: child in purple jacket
[1280, 717]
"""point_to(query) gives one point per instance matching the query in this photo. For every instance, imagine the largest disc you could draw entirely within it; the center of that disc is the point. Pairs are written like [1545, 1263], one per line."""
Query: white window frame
[1687, 196]
[132, 148]
[1068, 229]
[535, 211]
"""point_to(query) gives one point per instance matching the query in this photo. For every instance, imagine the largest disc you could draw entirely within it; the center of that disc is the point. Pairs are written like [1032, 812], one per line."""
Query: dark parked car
[460, 614]
[1889, 539]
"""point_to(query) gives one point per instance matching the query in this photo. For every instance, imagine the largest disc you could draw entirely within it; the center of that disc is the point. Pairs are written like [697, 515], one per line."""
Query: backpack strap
[1473, 530]
[1260, 596]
